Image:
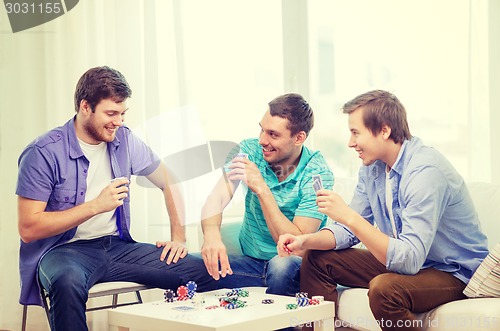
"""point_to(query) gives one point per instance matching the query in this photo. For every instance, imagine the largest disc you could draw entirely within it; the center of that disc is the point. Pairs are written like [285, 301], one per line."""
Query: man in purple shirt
[74, 207]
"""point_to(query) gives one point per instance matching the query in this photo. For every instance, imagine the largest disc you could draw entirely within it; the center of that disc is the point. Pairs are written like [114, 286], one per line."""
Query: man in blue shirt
[74, 207]
[412, 211]
[278, 177]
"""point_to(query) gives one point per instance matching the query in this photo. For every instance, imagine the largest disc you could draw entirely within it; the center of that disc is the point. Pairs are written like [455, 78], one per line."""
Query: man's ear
[385, 131]
[300, 138]
[85, 106]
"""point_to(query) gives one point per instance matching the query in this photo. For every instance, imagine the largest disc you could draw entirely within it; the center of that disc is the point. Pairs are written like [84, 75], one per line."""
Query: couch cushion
[469, 314]
[486, 280]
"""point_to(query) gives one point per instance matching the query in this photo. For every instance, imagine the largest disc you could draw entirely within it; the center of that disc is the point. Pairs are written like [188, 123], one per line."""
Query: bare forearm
[321, 240]
[47, 224]
[277, 222]
[211, 227]
[176, 213]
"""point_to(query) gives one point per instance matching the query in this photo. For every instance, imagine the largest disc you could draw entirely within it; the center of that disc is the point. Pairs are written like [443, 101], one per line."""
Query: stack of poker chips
[169, 295]
[183, 292]
[191, 287]
[303, 300]
[232, 299]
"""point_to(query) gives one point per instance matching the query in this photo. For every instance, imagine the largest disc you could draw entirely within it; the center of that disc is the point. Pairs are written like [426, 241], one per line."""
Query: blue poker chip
[191, 294]
[191, 286]
[231, 306]
[302, 302]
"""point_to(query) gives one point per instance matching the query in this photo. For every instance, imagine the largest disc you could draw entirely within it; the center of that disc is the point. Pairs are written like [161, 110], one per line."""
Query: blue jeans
[67, 272]
[281, 275]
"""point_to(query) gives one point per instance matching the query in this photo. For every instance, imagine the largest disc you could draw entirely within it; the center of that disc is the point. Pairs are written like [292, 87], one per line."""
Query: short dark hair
[381, 108]
[101, 83]
[296, 110]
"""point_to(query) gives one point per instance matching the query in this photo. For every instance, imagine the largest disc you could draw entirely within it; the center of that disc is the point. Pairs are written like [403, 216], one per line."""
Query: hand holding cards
[241, 155]
[317, 183]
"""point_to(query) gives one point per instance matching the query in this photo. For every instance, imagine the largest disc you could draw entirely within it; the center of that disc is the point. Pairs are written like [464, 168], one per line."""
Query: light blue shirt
[436, 222]
[295, 196]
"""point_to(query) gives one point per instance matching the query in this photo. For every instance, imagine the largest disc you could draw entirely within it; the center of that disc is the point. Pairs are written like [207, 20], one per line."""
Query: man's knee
[384, 288]
[284, 266]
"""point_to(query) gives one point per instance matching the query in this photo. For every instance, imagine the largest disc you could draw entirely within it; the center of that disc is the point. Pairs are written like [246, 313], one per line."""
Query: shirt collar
[305, 156]
[75, 151]
[406, 147]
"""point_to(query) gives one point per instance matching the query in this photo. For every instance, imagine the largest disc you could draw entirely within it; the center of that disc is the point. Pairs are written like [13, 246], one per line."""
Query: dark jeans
[394, 298]
[280, 274]
[68, 272]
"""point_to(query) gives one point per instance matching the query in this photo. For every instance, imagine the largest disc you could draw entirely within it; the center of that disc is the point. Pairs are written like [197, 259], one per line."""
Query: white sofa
[354, 312]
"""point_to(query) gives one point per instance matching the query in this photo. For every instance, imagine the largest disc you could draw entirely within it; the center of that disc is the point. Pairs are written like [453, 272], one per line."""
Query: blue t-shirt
[295, 196]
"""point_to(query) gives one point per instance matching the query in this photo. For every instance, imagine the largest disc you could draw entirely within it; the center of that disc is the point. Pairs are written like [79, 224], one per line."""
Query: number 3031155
[32, 8]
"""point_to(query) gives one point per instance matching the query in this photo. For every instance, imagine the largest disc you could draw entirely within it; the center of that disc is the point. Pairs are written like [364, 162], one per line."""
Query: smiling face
[94, 127]
[370, 147]
[279, 147]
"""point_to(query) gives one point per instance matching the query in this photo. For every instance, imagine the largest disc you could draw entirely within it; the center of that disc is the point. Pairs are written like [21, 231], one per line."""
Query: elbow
[410, 264]
[26, 236]
[212, 207]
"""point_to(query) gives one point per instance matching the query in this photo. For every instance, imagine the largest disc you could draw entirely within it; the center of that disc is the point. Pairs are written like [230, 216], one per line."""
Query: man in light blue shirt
[412, 211]
[277, 172]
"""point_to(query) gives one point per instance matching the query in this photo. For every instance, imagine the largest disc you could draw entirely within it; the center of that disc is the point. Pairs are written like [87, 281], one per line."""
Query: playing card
[317, 183]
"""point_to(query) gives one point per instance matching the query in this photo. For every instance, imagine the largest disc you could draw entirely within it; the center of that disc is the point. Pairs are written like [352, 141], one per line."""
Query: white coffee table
[256, 316]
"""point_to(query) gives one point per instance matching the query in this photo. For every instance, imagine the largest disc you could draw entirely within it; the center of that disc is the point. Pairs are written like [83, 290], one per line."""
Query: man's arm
[278, 224]
[331, 204]
[174, 203]
[289, 244]
[35, 223]
[213, 249]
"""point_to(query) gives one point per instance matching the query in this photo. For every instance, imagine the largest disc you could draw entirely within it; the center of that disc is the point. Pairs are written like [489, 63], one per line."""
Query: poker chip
[223, 303]
[191, 294]
[301, 295]
[182, 292]
[314, 302]
[243, 293]
[267, 301]
[291, 306]
[320, 298]
[191, 286]
[230, 306]
[302, 302]
[169, 295]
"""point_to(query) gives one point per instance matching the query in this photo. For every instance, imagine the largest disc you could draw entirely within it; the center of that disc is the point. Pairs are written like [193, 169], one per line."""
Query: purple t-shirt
[53, 169]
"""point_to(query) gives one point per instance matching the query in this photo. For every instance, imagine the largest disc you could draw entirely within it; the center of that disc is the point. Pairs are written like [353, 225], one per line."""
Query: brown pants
[393, 298]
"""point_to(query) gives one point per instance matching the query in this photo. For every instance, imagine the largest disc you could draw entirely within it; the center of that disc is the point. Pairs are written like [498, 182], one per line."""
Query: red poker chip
[182, 291]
